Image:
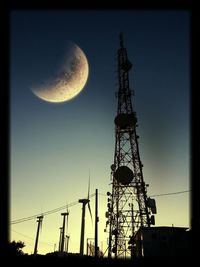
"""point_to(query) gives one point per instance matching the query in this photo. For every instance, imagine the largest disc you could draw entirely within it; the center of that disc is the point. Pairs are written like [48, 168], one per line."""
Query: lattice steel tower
[128, 205]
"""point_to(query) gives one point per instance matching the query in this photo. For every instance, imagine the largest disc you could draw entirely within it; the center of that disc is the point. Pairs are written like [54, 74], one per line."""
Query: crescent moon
[69, 82]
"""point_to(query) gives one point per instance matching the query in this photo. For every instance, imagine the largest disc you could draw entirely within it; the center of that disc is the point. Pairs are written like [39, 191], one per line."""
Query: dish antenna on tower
[85, 201]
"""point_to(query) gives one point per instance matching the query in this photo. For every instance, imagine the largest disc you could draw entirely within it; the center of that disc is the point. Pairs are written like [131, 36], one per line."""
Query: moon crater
[70, 80]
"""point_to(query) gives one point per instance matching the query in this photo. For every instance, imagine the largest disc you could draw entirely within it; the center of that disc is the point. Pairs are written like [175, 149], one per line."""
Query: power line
[23, 234]
[47, 212]
[165, 194]
[47, 243]
[76, 202]
[174, 193]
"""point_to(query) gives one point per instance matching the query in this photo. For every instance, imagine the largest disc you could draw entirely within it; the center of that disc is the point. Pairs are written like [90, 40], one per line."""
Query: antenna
[88, 197]
[126, 171]
[121, 40]
[67, 213]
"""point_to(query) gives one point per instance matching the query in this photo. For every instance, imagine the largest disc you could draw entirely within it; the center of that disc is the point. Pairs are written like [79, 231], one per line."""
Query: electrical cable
[75, 203]
[47, 212]
[47, 243]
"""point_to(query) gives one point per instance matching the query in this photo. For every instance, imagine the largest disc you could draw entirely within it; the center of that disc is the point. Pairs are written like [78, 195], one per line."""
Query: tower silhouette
[128, 205]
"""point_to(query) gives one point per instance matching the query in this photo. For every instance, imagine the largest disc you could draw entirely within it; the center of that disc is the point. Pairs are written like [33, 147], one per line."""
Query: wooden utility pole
[59, 248]
[63, 232]
[37, 234]
[96, 254]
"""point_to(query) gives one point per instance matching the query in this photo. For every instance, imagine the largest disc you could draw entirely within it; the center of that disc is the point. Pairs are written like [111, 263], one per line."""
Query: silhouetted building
[162, 241]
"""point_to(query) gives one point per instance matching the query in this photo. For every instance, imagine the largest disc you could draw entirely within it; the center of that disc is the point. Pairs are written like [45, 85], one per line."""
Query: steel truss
[127, 204]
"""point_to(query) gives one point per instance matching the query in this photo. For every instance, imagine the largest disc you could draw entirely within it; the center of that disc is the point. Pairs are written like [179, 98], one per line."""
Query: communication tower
[129, 208]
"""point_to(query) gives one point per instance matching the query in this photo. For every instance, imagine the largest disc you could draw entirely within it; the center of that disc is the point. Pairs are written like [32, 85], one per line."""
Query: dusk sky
[54, 146]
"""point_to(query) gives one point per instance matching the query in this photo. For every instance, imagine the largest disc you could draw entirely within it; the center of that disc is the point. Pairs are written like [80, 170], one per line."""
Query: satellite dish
[107, 214]
[124, 175]
[152, 220]
[114, 249]
[113, 167]
[124, 120]
[152, 205]
[126, 66]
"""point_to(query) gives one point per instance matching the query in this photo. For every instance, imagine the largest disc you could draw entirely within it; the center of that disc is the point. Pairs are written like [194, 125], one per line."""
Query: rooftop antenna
[84, 202]
[121, 38]
[37, 234]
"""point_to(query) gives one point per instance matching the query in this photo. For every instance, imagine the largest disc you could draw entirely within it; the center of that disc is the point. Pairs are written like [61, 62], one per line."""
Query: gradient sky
[53, 146]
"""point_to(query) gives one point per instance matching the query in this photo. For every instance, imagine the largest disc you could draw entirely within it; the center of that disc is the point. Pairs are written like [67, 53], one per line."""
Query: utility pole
[59, 248]
[37, 234]
[96, 225]
[67, 243]
[63, 231]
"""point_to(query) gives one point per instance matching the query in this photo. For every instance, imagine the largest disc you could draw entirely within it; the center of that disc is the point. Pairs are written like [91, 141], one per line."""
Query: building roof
[157, 228]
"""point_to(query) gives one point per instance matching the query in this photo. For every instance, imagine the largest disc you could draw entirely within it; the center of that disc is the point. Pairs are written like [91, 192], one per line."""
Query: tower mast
[128, 186]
